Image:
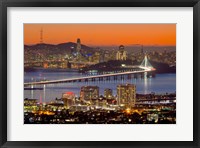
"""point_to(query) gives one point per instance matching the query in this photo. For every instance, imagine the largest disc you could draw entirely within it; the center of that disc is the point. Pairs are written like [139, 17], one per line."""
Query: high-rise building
[78, 49]
[126, 95]
[89, 92]
[68, 99]
[96, 57]
[108, 93]
[78, 45]
[121, 53]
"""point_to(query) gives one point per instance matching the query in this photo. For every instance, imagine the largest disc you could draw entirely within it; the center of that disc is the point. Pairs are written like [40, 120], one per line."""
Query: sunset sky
[102, 34]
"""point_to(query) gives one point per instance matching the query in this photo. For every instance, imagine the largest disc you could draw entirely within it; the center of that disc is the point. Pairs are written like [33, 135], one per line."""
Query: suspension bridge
[145, 66]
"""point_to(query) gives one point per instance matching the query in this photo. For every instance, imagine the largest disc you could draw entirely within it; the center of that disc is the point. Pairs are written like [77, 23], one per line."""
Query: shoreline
[40, 69]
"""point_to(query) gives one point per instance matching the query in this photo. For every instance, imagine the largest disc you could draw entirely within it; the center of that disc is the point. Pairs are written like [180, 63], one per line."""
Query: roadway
[145, 69]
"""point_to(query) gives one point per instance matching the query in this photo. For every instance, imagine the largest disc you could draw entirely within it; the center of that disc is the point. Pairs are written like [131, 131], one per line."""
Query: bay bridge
[144, 67]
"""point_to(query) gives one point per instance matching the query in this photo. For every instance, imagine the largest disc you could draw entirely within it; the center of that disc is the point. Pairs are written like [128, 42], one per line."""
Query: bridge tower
[145, 63]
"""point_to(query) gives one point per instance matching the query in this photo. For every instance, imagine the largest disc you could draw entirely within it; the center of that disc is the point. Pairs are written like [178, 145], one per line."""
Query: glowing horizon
[102, 34]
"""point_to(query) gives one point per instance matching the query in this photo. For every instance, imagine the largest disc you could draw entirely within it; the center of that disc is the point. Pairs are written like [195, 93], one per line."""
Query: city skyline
[70, 81]
[102, 34]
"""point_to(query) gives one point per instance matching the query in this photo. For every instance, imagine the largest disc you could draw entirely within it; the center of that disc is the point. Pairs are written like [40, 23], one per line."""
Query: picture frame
[99, 3]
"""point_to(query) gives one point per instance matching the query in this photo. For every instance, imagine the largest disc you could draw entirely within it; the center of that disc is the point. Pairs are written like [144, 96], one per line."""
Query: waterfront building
[121, 53]
[68, 99]
[88, 93]
[126, 95]
[45, 65]
[64, 64]
[108, 93]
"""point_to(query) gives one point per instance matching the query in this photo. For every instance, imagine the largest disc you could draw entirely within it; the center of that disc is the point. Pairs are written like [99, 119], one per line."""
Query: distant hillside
[62, 48]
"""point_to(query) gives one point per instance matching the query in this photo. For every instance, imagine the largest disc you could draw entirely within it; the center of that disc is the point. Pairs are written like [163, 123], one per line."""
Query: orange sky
[102, 34]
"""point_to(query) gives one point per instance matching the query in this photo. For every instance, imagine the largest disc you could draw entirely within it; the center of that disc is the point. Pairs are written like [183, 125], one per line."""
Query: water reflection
[145, 83]
[44, 93]
[162, 83]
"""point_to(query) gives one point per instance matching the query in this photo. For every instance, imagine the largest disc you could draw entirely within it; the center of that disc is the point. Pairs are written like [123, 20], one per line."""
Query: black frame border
[99, 3]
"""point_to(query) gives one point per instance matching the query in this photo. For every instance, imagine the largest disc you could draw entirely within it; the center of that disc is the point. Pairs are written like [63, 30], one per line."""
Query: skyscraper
[78, 45]
[68, 99]
[89, 92]
[79, 57]
[126, 95]
[121, 53]
[108, 93]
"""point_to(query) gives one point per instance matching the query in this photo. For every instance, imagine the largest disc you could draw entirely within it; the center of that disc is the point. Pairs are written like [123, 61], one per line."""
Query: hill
[115, 65]
[63, 48]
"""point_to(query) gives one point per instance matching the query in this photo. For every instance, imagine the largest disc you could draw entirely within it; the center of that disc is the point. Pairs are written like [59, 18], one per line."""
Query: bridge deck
[88, 77]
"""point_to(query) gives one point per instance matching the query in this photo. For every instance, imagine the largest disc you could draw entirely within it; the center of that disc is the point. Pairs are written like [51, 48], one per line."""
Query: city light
[75, 83]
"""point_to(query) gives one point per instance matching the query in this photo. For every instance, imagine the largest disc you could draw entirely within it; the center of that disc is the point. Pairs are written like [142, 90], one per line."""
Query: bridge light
[123, 65]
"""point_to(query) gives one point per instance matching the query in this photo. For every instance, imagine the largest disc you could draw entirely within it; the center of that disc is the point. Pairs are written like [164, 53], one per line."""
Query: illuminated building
[88, 93]
[78, 46]
[45, 65]
[68, 99]
[80, 58]
[79, 108]
[102, 56]
[108, 93]
[152, 117]
[96, 57]
[56, 104]
[121, 53]
[30, 105]
[65, 64]
[102, 102]
[126, 95]
[78, 49]
[30, 102]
